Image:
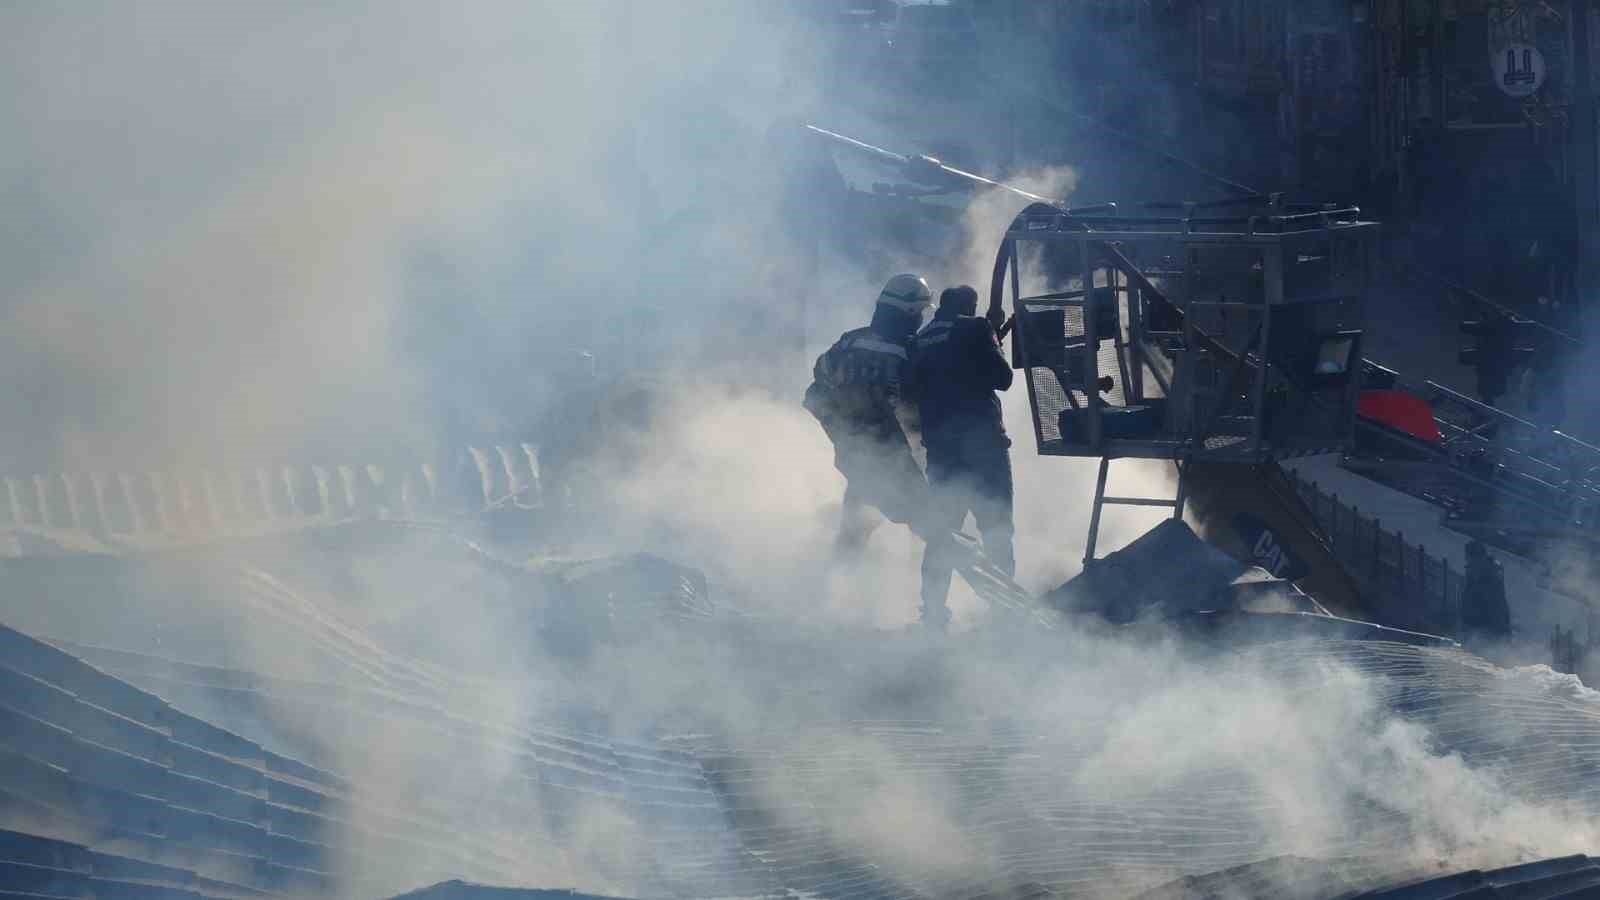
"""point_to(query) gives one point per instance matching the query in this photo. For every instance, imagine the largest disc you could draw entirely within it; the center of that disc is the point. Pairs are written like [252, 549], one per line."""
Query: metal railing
[1550, 466]
[1490, 466]
[1406, 585]
[206, 503]
[1544, 464]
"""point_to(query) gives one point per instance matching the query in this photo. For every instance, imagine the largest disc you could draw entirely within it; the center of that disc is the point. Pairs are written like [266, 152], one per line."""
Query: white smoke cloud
[242, 200]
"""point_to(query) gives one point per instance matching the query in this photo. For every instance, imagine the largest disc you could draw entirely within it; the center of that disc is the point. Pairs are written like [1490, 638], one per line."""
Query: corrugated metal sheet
[100, 757]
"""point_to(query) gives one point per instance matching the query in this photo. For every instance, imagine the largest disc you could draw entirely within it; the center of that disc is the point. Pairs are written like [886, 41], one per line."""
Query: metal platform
[1228, 338]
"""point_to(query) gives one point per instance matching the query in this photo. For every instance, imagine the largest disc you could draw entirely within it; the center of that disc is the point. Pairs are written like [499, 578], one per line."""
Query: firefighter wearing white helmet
[859, 395]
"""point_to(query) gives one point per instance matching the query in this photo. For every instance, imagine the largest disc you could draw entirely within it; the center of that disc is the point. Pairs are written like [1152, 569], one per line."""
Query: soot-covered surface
[302, 737]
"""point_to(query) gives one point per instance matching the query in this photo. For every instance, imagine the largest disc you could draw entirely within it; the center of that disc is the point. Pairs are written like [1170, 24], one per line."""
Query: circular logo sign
[1518, 69]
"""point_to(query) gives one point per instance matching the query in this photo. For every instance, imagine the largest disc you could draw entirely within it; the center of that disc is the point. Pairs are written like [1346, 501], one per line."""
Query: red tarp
[1400, 411]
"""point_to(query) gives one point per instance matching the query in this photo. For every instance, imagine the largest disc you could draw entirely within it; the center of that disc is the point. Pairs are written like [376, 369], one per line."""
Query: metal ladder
[1101, 501]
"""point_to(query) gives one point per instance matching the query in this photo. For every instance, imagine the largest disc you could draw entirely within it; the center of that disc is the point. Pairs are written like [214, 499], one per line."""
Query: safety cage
[1215, 338]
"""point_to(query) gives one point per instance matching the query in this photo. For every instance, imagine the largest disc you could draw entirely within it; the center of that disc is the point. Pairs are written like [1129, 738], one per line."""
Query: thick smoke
[279, 231]
[257, 233]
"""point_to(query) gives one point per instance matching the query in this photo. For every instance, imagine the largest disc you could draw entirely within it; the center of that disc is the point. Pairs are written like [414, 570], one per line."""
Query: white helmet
[909, 294]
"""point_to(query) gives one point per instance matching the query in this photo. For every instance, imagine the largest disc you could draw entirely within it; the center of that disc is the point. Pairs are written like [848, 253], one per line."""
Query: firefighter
[957, 369]
[1485, 615]
[858, 393]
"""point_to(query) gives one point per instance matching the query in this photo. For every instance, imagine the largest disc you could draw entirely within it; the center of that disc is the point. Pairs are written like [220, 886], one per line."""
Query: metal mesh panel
[1054, 335]
[1106, 362]
[1049, 400]
[1053, 332]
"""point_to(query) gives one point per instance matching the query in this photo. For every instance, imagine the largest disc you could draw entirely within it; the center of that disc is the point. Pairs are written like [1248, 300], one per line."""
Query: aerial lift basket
[1222, 338]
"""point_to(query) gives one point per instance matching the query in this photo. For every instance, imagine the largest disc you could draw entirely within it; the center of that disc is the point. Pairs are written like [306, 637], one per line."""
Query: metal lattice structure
[1222, 338]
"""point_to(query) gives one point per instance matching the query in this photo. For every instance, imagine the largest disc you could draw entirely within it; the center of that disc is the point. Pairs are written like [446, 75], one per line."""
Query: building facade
[1452, 119]
[1472, 113]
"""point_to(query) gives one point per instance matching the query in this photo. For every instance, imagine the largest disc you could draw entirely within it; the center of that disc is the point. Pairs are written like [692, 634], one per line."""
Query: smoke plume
[302, 230]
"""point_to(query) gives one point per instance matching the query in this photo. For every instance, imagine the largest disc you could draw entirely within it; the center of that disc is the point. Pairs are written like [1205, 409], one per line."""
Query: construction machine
[1225, 338]
[1218, 337]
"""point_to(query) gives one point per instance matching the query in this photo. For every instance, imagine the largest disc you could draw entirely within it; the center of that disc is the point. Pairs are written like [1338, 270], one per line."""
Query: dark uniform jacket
[859, 395]
[956, 369]
[860, 383]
